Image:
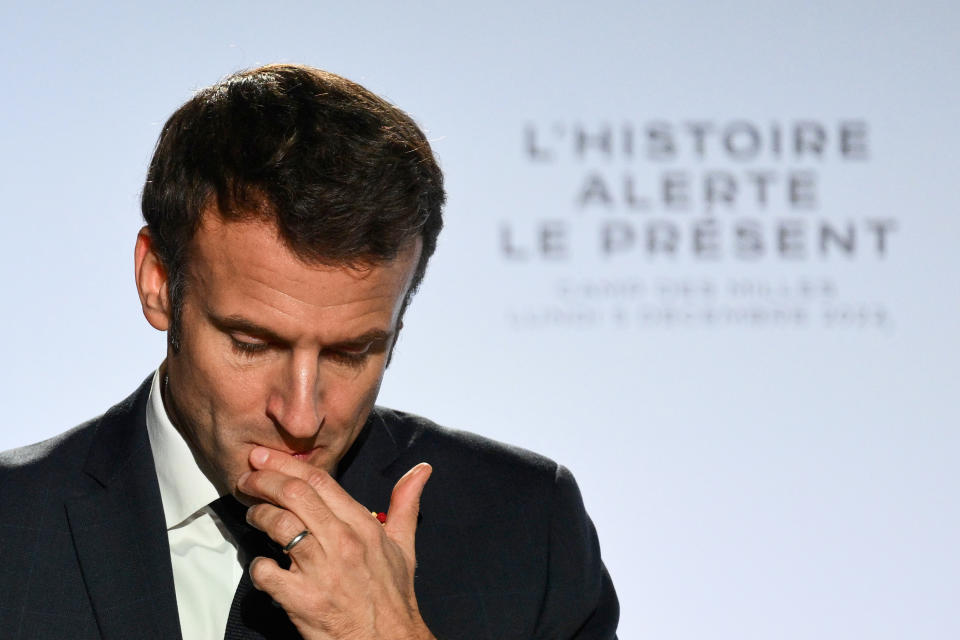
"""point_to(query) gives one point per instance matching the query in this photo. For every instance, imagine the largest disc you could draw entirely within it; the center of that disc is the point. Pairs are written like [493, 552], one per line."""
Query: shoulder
[476, 476]
[46, 465]
[508, 523]
[53, 469]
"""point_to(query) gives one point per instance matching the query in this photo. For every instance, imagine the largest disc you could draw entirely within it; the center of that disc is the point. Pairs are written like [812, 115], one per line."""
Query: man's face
[277, 352]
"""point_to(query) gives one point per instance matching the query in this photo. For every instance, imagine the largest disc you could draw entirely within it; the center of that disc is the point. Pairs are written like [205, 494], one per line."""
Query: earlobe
[151, 278]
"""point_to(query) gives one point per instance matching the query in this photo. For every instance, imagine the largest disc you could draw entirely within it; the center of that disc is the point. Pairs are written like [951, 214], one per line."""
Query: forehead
[244, 268]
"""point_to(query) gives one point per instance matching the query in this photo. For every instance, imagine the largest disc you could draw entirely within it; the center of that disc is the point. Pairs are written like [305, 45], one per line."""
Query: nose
[294, 403]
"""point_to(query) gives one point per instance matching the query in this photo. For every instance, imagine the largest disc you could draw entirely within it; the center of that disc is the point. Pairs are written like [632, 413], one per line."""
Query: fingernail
[259, 455]
[243, 478]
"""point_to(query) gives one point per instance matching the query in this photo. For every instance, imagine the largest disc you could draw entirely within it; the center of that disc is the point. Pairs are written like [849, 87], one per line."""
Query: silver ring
[296, 540]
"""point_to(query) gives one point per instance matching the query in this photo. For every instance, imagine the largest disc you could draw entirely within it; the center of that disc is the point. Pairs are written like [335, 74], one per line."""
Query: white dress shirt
[206, 568]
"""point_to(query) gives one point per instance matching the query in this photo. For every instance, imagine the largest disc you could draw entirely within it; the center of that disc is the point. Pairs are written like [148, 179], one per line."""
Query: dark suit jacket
[504, 546]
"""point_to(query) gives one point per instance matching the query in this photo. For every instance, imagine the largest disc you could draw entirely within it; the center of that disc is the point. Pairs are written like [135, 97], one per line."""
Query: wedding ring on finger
[297, 539]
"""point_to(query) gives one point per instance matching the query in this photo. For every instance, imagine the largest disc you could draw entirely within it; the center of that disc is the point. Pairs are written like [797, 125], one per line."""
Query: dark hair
[346, 177]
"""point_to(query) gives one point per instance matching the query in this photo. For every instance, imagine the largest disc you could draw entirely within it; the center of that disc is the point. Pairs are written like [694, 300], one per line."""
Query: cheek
[232, 397]
[239, 396]
[349, 401]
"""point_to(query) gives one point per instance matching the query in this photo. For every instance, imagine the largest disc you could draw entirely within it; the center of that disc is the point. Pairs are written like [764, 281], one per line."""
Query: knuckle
[288, 523]
[318, 479]
[350, 544]
[295, 489]
[371, 535]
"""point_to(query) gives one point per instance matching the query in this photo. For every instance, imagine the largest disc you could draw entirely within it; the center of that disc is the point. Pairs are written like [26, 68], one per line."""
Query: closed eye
[352, 354]
[248, 348]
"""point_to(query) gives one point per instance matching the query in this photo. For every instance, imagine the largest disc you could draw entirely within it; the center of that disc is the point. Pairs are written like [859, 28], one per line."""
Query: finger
[293, 494]
[267, 575]
[283, 526]
[401, 523]
[334, 496]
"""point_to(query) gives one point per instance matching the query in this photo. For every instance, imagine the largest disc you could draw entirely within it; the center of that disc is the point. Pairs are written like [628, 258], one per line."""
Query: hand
[351, 578]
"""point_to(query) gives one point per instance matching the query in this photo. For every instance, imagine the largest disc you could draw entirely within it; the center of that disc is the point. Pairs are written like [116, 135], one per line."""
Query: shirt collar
[184, 489]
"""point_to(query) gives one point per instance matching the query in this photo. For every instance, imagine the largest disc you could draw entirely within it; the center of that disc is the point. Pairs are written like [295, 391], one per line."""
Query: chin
[320, 460]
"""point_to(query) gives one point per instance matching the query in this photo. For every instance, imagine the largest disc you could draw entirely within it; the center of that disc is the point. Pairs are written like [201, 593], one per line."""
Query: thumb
[401, 526]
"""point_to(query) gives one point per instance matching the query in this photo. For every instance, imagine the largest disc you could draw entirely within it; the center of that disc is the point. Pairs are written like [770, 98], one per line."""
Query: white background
[746, 481]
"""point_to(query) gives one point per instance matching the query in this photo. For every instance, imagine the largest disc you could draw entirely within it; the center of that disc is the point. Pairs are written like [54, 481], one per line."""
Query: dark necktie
[253, 614]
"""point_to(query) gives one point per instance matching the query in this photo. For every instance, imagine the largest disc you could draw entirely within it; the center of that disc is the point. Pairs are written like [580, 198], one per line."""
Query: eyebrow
[239, 323]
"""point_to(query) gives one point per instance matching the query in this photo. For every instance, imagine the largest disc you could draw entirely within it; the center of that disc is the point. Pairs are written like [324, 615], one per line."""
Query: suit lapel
[119, 531]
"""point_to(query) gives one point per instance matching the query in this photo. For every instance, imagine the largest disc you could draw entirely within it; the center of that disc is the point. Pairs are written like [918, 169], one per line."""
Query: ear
[151, 278]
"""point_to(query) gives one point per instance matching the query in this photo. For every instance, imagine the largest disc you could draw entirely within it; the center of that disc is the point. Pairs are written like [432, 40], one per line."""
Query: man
[250, 488]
